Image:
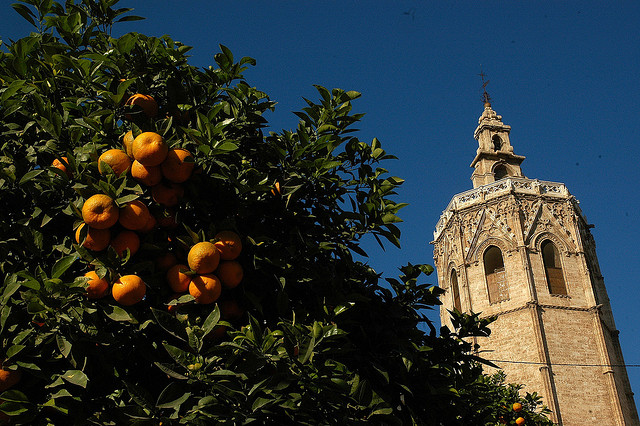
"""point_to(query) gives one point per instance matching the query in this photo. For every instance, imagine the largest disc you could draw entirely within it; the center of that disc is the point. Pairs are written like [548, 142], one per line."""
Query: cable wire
[563, 364]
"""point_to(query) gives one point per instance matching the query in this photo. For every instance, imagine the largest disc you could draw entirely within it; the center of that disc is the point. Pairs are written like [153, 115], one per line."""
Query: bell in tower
[521, 250]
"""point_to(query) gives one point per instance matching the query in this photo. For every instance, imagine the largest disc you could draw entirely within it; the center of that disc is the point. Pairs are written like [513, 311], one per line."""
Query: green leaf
[116, 313]
[29, 176]
[211, 321]
[76, 377]
[260, 402]
[62, 265]
[172, 396]
[170, 324]
[63, 345]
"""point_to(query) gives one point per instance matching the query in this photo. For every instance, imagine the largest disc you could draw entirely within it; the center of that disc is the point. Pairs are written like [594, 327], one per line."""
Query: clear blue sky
[564, 75]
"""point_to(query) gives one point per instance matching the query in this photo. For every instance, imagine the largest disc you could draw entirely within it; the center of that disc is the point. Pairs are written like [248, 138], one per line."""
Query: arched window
[553, 268]
[500, 171]
[497, 142]
[453, 283]
[495, 274]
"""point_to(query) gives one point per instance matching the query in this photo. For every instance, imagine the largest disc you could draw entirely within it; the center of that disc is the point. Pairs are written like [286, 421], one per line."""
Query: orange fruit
[96, 240]
[62, 165]
[126, 240]
[166, 261]
[134, 215]
[517, 407]
[519, 421]
[9, 378]
[146, 102]
[100, 212]
[167, 195]
[205, 288]
[203, 257]
[127, 143]
[230, 310]
[230, 273]
[147, 175]
[177, 279]
[178, 165]
[128, 290]
[229, 244]
[117, 159]
[217, 333]
[276, 189]
[150, 149]
[150, 225]
[97, 286]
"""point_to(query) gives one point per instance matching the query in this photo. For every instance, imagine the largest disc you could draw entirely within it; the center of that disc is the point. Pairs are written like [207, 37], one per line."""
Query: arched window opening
[553, 268]
[455, 290]
[497, 142]
[495, 274]
[500, 171]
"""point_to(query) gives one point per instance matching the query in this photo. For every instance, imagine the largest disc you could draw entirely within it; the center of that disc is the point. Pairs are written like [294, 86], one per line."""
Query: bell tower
[521, 250]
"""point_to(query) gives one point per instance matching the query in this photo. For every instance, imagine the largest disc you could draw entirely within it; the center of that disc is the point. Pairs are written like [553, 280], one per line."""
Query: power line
[563, 364]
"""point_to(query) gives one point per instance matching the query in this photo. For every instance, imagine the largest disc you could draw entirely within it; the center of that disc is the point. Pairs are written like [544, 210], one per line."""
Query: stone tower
[520, 249]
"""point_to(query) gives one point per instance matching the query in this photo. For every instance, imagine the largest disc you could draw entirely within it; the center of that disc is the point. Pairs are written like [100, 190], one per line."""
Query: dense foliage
[318, 338]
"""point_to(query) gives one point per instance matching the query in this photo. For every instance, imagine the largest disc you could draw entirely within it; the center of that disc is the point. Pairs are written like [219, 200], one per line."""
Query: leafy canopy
[318, 338]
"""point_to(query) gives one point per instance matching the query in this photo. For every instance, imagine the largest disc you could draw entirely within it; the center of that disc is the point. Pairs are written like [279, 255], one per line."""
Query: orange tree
[109, 315]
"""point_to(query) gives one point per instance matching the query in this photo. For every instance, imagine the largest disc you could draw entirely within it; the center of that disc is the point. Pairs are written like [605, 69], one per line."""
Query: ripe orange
[96, 240]
[97, 286]
[134, 215]
[150, 149]
[517, 407]
[230, 310]
[128, 290]
[146, 102]
[178, 165]
[230, 273]
[519, 421]
[100, 212]
[167, 195]
[126, 240]
[147, 175]
[9, 378]
[205, 288]
[62, 165]
[203, 257]
[229, 244]
[276, 189]
[150, 225]
[177, 279]
[217, 333]
[117, 159]
[127, 143]
[166, 261]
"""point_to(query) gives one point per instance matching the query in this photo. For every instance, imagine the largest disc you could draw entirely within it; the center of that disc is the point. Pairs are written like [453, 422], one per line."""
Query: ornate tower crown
[494, 158]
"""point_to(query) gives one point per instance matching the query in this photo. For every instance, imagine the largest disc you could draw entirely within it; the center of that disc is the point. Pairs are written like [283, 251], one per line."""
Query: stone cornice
[498, 189]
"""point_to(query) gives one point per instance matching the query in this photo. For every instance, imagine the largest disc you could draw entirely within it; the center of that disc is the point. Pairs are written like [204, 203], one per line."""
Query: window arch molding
[497, 143]
[501, 170]
[560, 243]
[477, 254]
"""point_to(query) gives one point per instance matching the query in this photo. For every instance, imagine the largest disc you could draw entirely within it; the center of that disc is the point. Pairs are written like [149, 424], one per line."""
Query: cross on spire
[485, 96]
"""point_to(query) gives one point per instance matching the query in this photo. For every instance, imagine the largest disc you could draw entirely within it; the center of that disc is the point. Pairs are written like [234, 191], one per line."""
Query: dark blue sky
[564, 75]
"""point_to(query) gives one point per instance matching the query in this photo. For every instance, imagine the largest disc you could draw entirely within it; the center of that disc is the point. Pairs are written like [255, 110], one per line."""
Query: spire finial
[485, 96]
